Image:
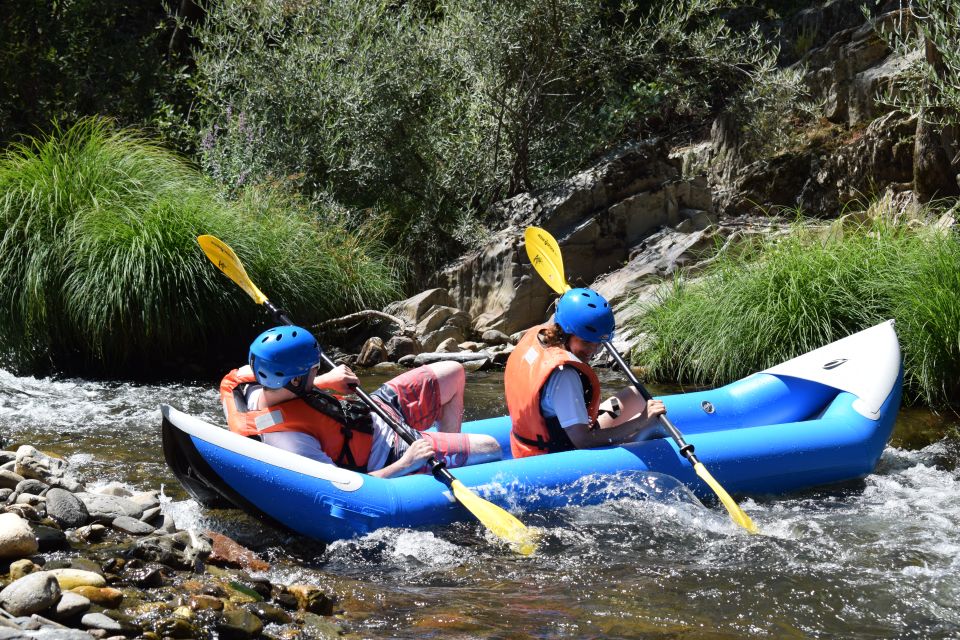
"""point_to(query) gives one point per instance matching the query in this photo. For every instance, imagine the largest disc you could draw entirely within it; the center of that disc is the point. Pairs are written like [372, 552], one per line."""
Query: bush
[782, 298]
[100, 271]
[61, 61]
[933, 82]
[423, 114]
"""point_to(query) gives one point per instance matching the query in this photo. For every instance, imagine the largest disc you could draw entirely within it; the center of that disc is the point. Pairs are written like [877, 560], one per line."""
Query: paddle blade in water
[227, 261]
[499, 522]
[736, 513]
[544, 254]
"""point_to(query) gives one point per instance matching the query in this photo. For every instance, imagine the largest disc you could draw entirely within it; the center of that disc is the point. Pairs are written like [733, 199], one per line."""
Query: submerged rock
[114, 583]
[239, 624]
[226, 552]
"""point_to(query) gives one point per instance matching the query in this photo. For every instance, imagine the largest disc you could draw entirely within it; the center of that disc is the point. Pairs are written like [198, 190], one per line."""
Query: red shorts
[415, 395]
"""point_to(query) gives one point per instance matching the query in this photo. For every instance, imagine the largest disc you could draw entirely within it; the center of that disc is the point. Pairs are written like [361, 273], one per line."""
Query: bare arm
[411, 459]
[617, 429]
[339, 380]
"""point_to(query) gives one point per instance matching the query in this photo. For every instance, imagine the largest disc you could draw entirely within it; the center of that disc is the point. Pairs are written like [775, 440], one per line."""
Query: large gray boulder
[37, 465]
[105, 508]
[412, 309]
[64, 507]
[31, 594]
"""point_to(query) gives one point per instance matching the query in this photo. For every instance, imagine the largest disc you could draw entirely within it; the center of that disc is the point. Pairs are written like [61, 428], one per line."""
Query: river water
[879, 558]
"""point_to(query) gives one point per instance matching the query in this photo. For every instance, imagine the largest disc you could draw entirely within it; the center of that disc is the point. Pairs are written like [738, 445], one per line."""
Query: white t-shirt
[563, 397]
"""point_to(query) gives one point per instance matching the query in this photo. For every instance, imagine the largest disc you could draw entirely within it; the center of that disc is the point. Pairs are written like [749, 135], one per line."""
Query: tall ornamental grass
[100, 271]
[781, 298]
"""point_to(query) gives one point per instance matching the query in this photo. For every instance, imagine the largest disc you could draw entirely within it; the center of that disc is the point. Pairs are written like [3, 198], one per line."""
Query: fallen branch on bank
[363, 315]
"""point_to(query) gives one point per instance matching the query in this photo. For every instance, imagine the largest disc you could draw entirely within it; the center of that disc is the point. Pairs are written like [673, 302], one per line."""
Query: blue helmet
[585, 314]
[281, 354]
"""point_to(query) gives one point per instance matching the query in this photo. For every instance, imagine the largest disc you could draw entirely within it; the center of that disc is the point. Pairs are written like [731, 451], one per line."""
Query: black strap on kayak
[547, 446]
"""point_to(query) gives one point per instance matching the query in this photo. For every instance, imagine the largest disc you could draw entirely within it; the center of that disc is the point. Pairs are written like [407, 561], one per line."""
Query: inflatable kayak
[822, 418]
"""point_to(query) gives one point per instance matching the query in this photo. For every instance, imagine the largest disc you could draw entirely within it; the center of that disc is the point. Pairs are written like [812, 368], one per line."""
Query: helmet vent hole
[589, 328]
[279, 337]
[585, 294]
[262, 374]
[279, 374]
[294, 334]
[591, 305]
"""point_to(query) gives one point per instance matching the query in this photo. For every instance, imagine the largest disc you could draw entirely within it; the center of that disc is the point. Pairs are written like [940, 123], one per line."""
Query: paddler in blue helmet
[553, 394]
[280, 398]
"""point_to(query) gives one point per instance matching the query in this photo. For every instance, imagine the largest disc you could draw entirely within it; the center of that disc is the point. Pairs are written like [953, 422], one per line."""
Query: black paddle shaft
[408, 435]
[685, 448]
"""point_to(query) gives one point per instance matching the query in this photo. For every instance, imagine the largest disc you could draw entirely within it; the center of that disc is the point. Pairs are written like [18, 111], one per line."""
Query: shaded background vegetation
[424, 114]
[416, 114]
[66, 59]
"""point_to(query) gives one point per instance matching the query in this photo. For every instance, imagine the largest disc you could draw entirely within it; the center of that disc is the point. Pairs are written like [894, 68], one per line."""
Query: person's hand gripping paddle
[544, 254]
[498, 521]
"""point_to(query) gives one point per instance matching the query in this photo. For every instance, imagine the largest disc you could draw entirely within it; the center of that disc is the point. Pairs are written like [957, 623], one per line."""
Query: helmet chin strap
[300, 388]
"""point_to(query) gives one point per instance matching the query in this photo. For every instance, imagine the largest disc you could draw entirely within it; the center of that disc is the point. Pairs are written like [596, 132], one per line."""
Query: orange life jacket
[348, 446]
[528, 368]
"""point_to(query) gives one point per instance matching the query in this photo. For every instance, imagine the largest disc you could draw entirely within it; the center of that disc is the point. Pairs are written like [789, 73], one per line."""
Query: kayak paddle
[497, 520]
[544, 254]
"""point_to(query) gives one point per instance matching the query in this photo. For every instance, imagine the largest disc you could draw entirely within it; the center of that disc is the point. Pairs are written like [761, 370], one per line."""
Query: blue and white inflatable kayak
[821, 418]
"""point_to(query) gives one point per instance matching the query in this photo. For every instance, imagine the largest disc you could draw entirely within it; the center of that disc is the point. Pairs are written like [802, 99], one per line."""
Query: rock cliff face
[859, 149]
[597, 216]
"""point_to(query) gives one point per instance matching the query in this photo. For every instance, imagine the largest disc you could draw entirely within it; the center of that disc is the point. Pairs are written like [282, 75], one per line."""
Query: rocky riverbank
[109, 563]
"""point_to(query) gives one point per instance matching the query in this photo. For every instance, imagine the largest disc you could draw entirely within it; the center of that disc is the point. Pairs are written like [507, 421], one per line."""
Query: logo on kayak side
[833, 364]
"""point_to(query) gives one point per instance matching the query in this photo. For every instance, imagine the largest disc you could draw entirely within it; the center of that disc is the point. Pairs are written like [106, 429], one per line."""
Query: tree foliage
[67, 59]
[933, 82]
[423, 114]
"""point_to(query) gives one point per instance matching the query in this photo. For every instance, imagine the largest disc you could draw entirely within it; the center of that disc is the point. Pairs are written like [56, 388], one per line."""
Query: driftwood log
[364, 315]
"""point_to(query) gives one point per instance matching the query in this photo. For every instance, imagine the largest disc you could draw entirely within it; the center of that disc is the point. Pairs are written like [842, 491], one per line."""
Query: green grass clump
[100, 271]
[783, 297]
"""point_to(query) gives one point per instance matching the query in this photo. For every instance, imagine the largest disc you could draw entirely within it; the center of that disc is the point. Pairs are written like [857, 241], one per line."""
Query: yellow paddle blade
[227, 261]
[498, 521]
[736, 513]
[545, 256]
